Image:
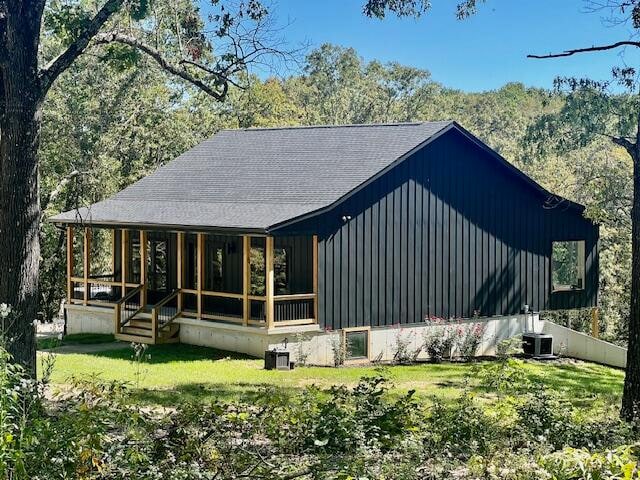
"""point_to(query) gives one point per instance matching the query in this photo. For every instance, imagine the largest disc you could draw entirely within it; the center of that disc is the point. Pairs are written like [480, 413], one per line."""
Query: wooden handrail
[294, 296]
[117, 311]
[166, 299]
[157, 310]
[129, 295]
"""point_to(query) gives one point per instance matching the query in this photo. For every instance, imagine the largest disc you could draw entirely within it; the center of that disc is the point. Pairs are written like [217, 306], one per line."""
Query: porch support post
[69, 264]
[124, 259]
[200, 272]
[143, 267]
[86, 249]
[269, 282]
[246, 276]
[315, 278]
[113, 253]
[180, 269]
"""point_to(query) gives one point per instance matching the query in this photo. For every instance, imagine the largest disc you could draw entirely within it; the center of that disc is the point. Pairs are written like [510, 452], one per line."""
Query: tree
[172, 35]
[625, 134]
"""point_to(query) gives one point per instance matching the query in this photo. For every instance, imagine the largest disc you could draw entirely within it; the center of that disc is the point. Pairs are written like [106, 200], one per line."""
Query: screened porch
[158, 276]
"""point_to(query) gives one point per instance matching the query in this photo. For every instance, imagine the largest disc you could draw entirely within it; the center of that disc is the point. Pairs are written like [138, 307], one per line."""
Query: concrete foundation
[311, 345]
[87, 319]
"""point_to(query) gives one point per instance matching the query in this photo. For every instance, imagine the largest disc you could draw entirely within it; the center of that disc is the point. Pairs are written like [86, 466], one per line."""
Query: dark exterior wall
[447, 233]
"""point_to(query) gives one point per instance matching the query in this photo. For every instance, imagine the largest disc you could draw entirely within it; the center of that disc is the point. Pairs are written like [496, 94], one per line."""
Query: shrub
[545, 417]
[460, 427]
[505, 375]
[339, 349]
[570, 463]
[468, 338]
[438, 341]
[301, 348]
[507, 347]
[403, 353]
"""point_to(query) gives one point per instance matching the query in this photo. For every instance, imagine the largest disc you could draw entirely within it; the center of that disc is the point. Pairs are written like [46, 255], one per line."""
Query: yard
[194, 412]
[171, 373]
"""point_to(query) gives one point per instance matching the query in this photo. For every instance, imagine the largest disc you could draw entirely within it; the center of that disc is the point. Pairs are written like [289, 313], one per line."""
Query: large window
[567, 265]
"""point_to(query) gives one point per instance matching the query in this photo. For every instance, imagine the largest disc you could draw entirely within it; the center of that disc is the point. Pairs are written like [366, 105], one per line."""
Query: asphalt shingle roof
[256, 178]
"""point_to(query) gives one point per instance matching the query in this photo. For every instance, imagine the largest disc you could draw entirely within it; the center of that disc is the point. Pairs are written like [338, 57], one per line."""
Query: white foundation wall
[317, 345]
[569, 343]
[383, 341]
[87, 319]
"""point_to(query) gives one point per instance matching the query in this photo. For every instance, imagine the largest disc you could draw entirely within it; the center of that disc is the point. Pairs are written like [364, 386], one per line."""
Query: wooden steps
[138, 330]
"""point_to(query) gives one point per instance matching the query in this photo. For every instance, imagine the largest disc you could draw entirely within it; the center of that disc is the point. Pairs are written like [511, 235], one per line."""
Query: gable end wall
[446, 233]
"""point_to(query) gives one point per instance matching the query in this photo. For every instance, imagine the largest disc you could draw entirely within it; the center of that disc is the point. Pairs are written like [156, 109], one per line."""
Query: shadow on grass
[177, 352]
[211, 392]
[580, 379]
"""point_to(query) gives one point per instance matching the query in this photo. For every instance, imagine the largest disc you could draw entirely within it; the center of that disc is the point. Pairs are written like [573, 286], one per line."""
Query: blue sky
[481, 53]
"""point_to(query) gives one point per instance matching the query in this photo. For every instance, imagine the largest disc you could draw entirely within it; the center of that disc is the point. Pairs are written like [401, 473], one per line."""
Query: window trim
[582, 267]
[346, 331]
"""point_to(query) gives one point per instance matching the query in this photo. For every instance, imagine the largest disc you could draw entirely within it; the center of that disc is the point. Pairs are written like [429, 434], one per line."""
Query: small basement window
[357, 344]
[567, 265]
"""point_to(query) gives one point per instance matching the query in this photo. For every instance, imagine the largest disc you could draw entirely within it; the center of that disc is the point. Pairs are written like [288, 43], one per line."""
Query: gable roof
[254, 179]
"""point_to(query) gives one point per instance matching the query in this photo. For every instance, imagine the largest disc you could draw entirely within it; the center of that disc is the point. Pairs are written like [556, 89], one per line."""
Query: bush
[404, 354]
[570, 463]
[438, 342]
[468, 338]
[460, 427]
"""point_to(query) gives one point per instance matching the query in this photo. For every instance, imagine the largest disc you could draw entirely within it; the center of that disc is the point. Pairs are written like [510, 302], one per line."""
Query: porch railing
[297, 309]
[163, 314]
[127, 307]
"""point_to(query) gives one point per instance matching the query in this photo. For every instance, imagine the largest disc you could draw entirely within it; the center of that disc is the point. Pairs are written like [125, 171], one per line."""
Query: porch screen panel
[78, 261]
[223, 263]
[293, 265]
[133, 270]
[102, 258]
[257, 266]
[190, 262]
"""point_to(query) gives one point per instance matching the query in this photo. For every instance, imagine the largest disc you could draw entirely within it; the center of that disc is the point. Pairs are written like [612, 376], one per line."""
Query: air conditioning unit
[277, 360]
[538, 345]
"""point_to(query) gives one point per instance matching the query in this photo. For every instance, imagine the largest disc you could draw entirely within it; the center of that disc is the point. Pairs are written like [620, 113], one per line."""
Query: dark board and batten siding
[448, 233]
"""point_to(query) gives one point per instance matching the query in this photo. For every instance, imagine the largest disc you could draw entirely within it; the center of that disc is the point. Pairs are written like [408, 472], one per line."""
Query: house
[312, 233]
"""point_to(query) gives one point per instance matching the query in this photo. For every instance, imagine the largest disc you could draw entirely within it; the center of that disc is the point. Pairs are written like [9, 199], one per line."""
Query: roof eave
[159, 226]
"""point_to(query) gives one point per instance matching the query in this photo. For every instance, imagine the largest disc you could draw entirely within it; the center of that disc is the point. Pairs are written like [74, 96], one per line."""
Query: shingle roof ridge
[346, 125]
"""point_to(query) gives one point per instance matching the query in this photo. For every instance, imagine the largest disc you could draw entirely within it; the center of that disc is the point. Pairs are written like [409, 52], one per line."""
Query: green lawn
[75, 339]
[183, 372]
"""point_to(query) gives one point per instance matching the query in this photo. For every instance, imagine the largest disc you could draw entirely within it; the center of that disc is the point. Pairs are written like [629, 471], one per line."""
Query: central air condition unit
[277, 360]
[538, 345]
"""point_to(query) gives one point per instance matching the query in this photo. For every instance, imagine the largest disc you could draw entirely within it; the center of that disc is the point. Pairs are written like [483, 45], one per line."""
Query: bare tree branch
[58, 65]
[598, 48]
[210, 71]
[221, 82]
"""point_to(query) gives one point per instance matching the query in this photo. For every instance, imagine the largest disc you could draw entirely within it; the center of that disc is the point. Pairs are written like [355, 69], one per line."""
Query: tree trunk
[631, 395]
[20, 123]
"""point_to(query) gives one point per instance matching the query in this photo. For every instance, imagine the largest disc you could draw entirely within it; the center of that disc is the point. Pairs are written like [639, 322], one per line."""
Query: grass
[190, 373]
[75, 339]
